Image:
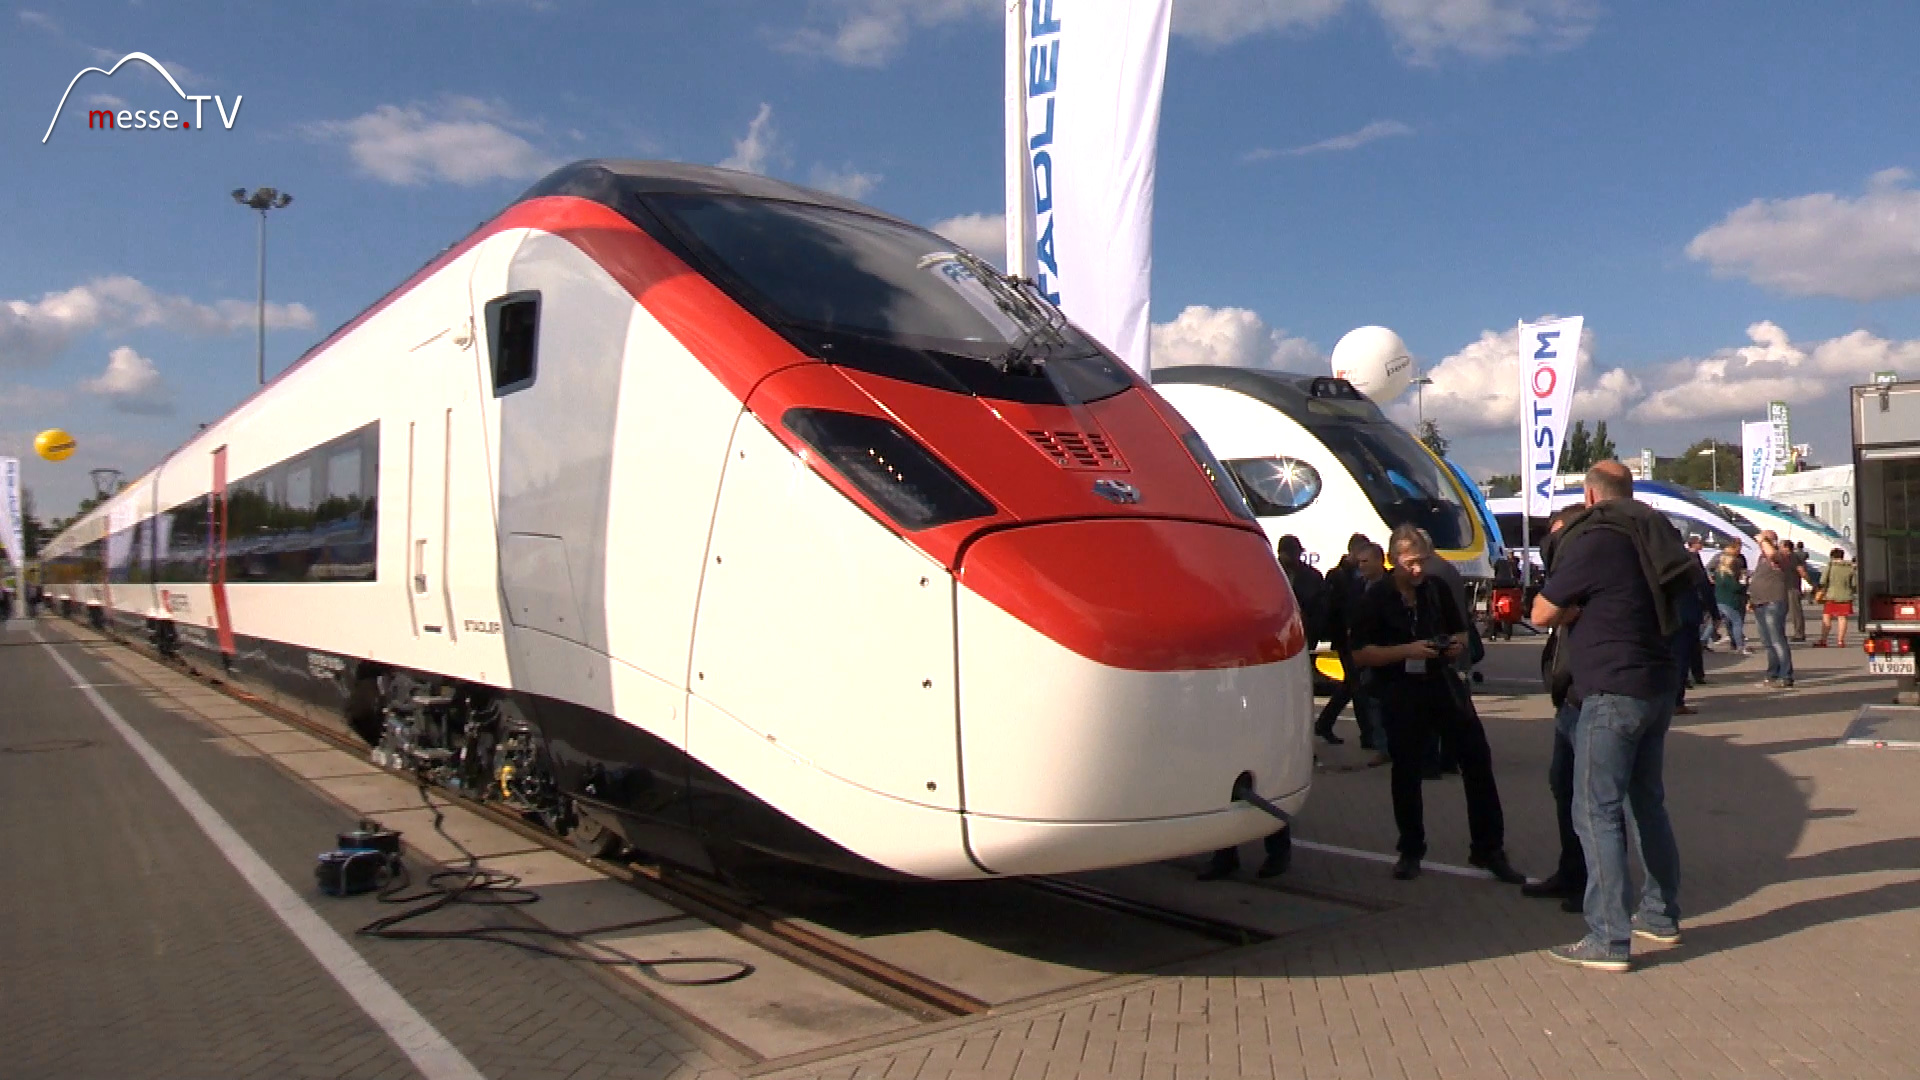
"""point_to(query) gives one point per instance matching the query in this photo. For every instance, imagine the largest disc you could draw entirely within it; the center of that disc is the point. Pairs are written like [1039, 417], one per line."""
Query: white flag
[1758, 449]
[1083, 124]
[10, 517]
[1549, 359]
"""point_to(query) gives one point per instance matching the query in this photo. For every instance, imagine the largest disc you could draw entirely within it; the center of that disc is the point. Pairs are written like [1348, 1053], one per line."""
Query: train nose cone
[1142, 595]
[1126, 671]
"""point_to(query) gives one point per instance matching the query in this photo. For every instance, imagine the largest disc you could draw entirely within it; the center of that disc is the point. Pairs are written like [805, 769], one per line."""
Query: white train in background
[686, 507]
[1318, 459]
[1686, 509]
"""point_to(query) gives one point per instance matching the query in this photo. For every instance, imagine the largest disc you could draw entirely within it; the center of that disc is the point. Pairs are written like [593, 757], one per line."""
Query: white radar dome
[1375, 361]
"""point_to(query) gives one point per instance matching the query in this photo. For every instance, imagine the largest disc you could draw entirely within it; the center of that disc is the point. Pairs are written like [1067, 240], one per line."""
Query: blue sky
[1720, 187]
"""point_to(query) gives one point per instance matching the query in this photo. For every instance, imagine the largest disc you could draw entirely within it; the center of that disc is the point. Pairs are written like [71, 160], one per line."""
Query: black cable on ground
[478, 886]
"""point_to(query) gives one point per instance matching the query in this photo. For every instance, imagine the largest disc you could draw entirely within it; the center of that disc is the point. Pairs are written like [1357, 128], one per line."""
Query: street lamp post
[263, 200]
[1420, 396]
[1712, 453]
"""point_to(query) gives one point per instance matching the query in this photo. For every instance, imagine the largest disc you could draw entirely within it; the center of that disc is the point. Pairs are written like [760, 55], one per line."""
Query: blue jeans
[1772, 619]
[1619, 753]
[1736, 625]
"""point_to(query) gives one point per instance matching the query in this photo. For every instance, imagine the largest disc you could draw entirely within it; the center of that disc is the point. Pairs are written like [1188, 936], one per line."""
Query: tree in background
[1501, 485]
[1696, 470]
[1436, 442]
[1601, 448]
[1576, 456]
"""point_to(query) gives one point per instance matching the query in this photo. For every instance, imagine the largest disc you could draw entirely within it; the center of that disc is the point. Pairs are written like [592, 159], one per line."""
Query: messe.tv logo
[148, 119]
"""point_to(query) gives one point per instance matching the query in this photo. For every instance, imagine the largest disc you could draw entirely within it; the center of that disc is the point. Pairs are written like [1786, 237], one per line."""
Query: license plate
[1890, 665]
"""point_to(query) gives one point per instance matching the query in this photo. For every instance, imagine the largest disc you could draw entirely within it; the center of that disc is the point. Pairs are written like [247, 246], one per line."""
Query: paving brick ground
[129, 950]
[1802, 891]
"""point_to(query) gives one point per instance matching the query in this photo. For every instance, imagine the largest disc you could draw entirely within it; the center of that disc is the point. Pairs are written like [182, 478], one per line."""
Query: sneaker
[1330, 737]
[1588, 953]
[1684, 710]
[1407, 868]
[1497, 865]
[1643, 929]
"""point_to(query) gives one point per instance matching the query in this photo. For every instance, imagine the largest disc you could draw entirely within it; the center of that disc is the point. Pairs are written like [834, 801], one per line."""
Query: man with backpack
[1614, 578]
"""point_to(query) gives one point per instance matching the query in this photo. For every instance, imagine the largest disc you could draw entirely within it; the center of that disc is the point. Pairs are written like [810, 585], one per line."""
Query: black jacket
[1664, 558]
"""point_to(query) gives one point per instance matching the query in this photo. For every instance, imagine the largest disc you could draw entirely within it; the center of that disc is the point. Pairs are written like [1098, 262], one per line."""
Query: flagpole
[1526, 490]
[1019, 175]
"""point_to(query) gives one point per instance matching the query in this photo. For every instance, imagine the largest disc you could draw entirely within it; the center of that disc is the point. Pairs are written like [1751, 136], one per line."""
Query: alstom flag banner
[1549, 358]
[1084, 79]
[1758, 451]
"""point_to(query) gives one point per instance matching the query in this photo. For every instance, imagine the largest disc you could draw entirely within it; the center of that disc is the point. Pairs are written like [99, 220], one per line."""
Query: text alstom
[1544, 438]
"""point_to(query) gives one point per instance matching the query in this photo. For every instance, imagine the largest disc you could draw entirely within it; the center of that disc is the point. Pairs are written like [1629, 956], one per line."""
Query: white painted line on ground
[1374, 856]
[430, 1052]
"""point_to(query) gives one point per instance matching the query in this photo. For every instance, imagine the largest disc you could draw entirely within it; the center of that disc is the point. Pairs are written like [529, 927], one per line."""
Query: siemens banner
[1758, 451]
[1549, 358]
[1084, 79]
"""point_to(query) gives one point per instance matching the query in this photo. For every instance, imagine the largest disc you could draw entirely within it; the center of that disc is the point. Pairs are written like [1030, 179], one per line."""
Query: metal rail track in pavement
[756, 922]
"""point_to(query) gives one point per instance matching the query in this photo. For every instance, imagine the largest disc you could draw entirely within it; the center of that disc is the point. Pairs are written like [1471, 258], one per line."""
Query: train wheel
[592, 838]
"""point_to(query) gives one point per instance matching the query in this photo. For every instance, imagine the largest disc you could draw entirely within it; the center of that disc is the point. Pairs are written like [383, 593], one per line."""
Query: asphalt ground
[134, 946]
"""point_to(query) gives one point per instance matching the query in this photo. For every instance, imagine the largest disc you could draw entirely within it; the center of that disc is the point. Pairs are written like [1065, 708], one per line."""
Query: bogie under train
[690, 504]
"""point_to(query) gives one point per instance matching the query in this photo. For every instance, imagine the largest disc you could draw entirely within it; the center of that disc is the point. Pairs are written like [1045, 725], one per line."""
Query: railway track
[754, 918]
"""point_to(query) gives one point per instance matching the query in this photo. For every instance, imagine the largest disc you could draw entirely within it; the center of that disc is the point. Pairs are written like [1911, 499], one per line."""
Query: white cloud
[1231, 337]
[868, 33]
[1824, 245]
[753, 151]
[459, 139]
[1222, 22]
[1425, 31]
[106, 101]
[1478, 388]
[983, 234]
[1740, 381]
[132, 384]
[33, 331]
[849, 181]
[1352, 140]
[40, 20]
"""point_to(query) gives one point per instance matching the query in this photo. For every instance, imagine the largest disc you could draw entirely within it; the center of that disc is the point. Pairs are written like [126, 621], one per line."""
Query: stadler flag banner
[1549, 358]
[1758, 449]
[1083, 124]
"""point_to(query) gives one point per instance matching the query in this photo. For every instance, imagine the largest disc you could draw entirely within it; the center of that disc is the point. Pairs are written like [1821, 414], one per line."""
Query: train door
[429, 437]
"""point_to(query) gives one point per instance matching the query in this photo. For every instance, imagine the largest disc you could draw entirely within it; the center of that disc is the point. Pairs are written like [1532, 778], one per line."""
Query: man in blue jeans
[1773, 577]
[1598, 587]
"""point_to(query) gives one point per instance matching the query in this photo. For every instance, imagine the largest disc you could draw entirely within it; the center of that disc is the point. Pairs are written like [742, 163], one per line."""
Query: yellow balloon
[53, 444]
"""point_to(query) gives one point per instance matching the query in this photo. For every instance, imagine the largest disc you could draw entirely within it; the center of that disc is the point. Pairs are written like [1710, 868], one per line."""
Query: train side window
[513, 339]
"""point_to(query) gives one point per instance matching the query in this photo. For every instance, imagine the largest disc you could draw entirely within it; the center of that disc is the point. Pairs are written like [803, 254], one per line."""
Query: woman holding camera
[1407, 629]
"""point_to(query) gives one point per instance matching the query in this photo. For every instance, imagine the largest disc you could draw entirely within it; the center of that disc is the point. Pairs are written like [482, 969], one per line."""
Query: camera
[1441, 642]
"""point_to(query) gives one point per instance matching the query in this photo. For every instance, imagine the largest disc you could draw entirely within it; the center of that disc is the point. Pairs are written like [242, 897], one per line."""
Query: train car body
[711, 507]
[1789, 523]
[1686, 509]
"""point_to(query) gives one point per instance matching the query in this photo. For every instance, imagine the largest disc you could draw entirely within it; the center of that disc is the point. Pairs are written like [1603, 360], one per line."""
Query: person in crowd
[1773, 578]
[1836, 592]
[1568, 882]
[1343, 589]
[1691, 604]
[1611, 574]
[1370, 563]
[1309, 588]
[1730, 597]
[1710, 630]
[1798, 577]
[1407, 631]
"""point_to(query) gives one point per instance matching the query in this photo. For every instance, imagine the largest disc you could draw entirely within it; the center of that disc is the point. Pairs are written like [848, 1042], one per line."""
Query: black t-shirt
[1615, 647]
[1383, 617]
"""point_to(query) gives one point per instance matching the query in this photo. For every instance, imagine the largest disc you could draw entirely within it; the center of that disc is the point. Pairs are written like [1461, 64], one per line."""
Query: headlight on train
[885, 464]
[1277, 486]
[1223, 484]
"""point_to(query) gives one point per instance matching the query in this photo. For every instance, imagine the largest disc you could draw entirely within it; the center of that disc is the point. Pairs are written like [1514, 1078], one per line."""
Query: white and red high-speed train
[681, 497]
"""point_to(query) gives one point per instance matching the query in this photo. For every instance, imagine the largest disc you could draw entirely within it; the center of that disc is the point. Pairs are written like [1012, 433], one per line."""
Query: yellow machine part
[1328, 664]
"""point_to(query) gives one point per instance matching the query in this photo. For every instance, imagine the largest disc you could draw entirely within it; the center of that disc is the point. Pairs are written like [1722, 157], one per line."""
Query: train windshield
[874, 294]
[1402, 480]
